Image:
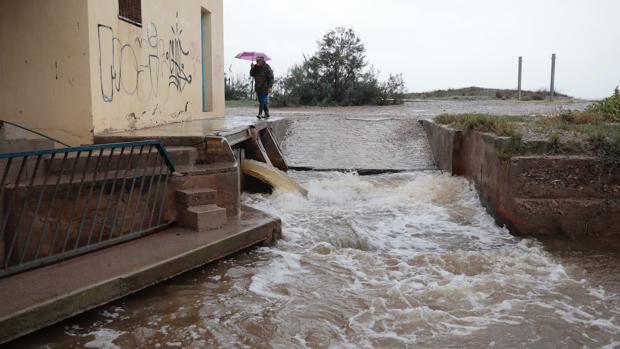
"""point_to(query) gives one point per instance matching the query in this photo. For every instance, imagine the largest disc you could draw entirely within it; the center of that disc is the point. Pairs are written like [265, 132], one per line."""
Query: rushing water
[389, 261]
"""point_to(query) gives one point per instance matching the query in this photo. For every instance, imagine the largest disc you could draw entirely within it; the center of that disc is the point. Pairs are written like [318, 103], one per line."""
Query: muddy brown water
[408, 260]
[405, 260]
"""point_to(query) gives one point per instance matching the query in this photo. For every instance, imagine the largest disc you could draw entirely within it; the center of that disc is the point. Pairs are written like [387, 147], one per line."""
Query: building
[74, 69]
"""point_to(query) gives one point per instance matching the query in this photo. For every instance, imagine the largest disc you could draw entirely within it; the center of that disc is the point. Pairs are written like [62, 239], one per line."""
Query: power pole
[552, 89]
[520, 70]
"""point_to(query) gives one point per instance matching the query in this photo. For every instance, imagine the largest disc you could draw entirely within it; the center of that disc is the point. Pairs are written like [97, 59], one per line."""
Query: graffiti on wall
[147, 66]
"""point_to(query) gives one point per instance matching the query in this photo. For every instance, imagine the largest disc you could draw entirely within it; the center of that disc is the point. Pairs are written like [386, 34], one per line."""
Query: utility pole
[552, 89]
[520, 70]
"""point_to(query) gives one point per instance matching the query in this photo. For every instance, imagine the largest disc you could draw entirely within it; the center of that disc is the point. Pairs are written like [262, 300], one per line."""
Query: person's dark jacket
[263, 77]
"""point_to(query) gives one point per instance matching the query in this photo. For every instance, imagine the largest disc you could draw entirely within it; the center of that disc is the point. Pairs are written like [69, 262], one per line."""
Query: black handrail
[33, 131]
[85, 148]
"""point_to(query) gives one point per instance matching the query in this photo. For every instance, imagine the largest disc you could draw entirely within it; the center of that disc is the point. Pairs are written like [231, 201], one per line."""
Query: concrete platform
[41, 297]
[233, 128]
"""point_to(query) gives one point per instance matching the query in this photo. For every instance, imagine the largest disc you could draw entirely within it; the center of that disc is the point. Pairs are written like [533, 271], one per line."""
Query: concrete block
[202, 218]
[183, 156]
[196, 197]
[223, 179]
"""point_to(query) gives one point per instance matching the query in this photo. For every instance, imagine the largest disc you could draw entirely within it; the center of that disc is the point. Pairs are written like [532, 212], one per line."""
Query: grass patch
[606, 148]
[499, 125]
[567, 132]
[581, 117]
[601, 131]
[475, 92]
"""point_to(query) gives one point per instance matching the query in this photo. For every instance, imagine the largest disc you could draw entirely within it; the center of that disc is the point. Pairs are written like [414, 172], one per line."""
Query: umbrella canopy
[251, 55]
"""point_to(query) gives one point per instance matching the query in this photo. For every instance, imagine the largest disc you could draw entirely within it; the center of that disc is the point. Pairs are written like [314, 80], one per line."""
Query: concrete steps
[203, 218]
[198, 211]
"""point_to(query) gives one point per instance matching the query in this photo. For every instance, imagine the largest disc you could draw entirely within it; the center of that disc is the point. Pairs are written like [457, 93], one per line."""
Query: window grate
[130, 11]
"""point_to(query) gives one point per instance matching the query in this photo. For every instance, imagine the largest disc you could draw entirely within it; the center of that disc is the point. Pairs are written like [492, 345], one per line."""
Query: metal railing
[59, 203]
[27, 129]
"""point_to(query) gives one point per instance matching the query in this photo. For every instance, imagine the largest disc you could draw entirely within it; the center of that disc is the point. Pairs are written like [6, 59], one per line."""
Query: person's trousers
[263, 100]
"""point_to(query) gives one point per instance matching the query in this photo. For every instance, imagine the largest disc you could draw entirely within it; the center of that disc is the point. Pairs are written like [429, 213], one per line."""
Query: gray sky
[445, 43]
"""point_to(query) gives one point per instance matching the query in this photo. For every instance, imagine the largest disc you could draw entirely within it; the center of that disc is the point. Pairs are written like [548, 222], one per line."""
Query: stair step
[196, 197]
[203, 218]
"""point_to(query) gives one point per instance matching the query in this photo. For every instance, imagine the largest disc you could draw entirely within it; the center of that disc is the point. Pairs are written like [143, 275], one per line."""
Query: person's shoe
[259, 116]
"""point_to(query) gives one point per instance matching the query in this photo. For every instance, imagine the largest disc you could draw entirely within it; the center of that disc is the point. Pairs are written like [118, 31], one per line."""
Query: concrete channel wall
[532, 195]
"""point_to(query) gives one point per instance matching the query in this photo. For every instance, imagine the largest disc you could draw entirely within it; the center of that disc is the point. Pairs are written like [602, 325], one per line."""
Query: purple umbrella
[251, 55]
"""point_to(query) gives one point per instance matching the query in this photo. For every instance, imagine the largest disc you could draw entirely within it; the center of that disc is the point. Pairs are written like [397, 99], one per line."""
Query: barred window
[130, 11]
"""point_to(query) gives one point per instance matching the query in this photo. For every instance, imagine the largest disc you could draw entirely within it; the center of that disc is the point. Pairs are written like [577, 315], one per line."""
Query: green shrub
[582, 117]
[538, 96]
[499, 125]
[236, 87]
[608, 107]
[606, 148]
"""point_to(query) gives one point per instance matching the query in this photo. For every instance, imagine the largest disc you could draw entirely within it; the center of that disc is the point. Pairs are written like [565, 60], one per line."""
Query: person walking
[263, 82]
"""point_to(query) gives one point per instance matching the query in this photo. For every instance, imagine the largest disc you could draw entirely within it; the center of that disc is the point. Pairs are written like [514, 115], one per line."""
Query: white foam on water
[282, 270]
[386, 261]
[420, 258]
[104, 339]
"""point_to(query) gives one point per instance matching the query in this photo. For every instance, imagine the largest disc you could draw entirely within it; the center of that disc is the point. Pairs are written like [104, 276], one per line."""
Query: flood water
[406, 260]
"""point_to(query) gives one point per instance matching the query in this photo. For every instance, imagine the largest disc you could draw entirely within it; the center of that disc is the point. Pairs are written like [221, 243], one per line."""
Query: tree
[336, 75]
[338, 62]
[393, 89]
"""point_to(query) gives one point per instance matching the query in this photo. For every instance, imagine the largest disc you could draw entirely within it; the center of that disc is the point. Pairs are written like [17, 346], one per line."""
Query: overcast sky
[445, 43]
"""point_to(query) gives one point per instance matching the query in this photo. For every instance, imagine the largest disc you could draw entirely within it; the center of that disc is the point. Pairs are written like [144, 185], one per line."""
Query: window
[130, 11]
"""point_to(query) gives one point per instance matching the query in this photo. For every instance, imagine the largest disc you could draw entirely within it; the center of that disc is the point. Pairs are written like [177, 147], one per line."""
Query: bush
[581, 117]
[606, 148]
[608, 107]
[365, 91]
[236, 87]
[539, 95]
[498, 125]
[392, 90]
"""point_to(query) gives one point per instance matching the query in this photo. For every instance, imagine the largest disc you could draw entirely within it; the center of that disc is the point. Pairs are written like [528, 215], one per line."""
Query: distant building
[74, 69]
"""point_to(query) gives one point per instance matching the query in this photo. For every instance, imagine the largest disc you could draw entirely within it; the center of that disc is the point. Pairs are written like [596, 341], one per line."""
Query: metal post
[520, 71]
[551, 90]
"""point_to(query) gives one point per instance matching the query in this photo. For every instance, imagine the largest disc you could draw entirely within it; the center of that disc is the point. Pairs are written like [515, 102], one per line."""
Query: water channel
[406, 260]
